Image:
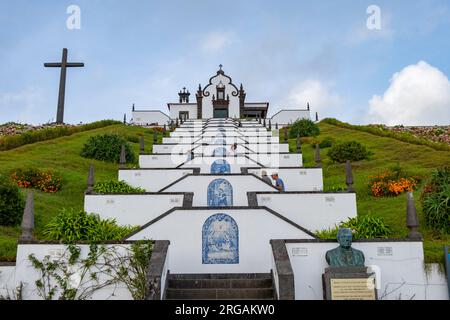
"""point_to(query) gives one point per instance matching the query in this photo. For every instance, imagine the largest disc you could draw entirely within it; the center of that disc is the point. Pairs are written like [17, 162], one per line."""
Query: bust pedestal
[348, 283]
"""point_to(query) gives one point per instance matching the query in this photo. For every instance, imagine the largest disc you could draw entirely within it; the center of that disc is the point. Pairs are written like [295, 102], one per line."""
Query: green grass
[61, 155]
[416, 159]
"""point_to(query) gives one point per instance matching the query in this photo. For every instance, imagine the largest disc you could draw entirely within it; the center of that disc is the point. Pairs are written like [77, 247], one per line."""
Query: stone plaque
[349, 283]
[353, 289]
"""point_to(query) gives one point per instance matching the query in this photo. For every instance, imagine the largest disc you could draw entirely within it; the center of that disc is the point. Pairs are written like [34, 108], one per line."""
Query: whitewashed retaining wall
[236, 163]
[296, 179]
[290, 116]
[278, 160]
[313, 211]
[7, 281]
[184, 230]
[131, 209]
[26, 274]
[241, 185]
[150, 117]
[161, 160]
[402, 273]
[152, 180]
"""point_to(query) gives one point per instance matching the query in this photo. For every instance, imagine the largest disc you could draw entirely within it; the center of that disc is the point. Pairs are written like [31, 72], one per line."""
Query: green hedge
[112, 186]
[378, 131]
[18, 140]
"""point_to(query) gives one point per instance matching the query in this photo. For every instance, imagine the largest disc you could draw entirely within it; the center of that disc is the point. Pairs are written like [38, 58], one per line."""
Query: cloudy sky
[285, 52]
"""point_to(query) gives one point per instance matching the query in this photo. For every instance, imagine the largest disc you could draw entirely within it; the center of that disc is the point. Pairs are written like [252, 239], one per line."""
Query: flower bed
[46, 181]
[391, 183]
[440, 134]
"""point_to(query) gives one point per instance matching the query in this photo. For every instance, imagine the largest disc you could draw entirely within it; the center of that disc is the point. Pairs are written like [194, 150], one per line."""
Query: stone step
[220, 283]
[213, 294]
[188, 276]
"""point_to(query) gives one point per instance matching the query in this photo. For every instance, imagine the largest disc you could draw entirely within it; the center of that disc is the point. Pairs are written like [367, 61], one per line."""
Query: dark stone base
[343, 273]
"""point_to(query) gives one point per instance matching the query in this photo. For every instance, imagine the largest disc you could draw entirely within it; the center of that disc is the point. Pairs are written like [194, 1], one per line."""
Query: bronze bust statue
[345, 255]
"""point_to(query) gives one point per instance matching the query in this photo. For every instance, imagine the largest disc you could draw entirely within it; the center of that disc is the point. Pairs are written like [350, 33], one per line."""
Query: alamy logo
[374, 20]
[73, 22]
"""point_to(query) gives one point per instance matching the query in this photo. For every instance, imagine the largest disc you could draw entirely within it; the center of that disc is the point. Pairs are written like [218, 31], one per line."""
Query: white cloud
[215, 41]
[418, 95]
[318, 94]
[23, 106]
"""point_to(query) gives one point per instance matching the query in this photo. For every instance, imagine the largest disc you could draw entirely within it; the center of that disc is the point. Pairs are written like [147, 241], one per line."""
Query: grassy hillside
[416, 159]
[60, 155]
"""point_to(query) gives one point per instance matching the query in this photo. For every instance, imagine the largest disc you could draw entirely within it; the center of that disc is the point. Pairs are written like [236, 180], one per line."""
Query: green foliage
[114, 186]
[18, 140]
[303, 128]
[107, 147]
[103, 266]
[436, 200]
[348, 150]
[381, 132]
[11, 203]
[77, 225]
[133, 139]
[365, 227]
[326, 142]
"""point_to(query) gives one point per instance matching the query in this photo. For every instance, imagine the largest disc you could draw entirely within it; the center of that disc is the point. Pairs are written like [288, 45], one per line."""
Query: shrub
[113, 186]
[348, 150]
[11, 204]
[436, 200]
[46, 181]
[363, 227]
[18, 140]
[303, 128]
[107, 147]
[326, 142]
[72, 225]
[133, 139]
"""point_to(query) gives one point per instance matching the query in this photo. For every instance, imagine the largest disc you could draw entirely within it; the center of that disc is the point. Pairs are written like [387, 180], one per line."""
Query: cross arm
[75, 65]
[52, 65]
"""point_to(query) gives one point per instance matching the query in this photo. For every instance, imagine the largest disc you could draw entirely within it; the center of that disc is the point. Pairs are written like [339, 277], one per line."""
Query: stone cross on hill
[62, 82]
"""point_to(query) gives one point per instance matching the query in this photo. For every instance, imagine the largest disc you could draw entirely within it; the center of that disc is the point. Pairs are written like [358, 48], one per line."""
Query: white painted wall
[296, 179]
[404, 269]
[152, 180]
[161, 160]
[290, 116]
[7, 282]
[278, 160]
[176, 108]
[184, 230]
[149, 117]
[131, 209]
[314, 212]
[241, 185]
[26, 274]
[236, 163]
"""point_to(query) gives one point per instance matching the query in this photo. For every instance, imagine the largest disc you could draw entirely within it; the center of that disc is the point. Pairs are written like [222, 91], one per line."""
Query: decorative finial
[91, 179]
[349, 176]
[270, 124]
[133, 107]
[299, 144]
[318, 159]
[412, 222]
[220, 67]
[124, 118]
[142, 144]
[317, 117]
[27, 225]
[307, 105]
[123, 157]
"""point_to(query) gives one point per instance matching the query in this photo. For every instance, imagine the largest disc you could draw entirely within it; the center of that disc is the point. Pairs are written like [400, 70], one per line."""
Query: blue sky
[284, 52]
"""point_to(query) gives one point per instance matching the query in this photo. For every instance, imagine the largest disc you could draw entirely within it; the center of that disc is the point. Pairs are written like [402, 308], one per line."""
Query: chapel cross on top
[62, 82]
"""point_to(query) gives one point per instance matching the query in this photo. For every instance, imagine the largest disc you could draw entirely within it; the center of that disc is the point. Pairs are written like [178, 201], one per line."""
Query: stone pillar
[285, 134]
[317, 158]
[142, 145]
[156, 269]
[27, 225]
[299, 144]
[412, 222]
[124, 118]
[155, 137]
[91, 179]
[349, 176]
[123, 157]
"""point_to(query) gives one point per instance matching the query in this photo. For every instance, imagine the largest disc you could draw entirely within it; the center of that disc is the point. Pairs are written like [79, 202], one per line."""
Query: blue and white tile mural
[219, 152]
[220, 141]
[220, 193]
[220, 166]
[220, 240]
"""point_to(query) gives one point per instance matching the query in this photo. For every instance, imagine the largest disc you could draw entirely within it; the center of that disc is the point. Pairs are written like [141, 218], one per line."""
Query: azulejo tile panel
[220, 166]
[220, 240]
[220, 193]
